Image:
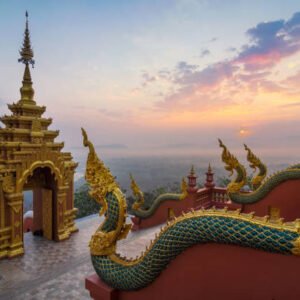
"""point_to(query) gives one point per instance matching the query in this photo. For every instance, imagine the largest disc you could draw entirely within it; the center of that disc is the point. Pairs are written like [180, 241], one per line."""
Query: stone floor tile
[50, 270]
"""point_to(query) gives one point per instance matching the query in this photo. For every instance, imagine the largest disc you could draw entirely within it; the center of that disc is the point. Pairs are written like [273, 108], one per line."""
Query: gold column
[47, 209]
[61, 196]
[15, 202]
[4, 232]
[2, 208]
[70, 212]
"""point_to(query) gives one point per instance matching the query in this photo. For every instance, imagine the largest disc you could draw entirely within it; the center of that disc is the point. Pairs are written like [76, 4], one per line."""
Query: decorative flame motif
[255, 162]
[137, 193]
[184, 188]
[233, 164]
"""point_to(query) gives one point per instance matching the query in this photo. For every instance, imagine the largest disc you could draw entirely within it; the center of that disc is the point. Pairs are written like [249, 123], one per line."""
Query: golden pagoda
[30, 159]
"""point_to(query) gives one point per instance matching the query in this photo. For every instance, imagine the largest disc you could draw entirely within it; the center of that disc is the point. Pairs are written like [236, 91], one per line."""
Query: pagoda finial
[26, 51]
[192, 172]
[26, 58]
[209, 178]
[209, 170]
[192, 181]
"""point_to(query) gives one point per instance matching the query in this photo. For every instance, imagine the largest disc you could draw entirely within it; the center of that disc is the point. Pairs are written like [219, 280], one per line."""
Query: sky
[161, 77]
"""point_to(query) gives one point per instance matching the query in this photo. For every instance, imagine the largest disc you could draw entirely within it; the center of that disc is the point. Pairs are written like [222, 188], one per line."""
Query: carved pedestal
[98, 289]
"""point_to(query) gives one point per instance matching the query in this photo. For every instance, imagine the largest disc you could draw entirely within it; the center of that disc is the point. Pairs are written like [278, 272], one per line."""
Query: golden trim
[38, 164]
[296, 249]
[236, 215]
[2, 208]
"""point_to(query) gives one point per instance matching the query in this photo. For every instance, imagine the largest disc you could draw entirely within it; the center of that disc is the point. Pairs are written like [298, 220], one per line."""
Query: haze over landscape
[157, 82]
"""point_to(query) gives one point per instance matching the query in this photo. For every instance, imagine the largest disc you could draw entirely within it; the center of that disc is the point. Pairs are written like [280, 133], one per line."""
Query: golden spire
[192, 172]
[209, 170]
[26, 58]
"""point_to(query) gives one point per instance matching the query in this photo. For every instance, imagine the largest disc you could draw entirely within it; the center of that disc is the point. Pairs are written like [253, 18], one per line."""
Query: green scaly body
[139, 211]
[267, 186]
[143, 214]
[194, 228]
[262, 189]
[202, 226]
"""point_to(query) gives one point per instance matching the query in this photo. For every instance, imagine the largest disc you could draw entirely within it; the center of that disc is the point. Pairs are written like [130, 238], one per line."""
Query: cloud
[292, 81]
[164, 74]
[232, 49]
[147, 78]
[185, 68]
[241, 78]
[271, 42]
[204, 53]
[209, 76]
[293, 104]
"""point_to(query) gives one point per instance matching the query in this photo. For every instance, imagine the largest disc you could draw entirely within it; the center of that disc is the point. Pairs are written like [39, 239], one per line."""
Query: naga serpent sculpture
[255, 162]
[263, 187]
[137, 209]
[195, 227]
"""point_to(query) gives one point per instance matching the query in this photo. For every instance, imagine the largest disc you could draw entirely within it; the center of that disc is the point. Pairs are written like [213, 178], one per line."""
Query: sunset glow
[143, 72]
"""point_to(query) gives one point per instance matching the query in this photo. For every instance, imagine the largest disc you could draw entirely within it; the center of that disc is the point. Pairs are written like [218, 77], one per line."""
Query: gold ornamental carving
[8, 183]
[28, 145]
[100, 185]
[36, 125]
[16, 209]
[68, 175]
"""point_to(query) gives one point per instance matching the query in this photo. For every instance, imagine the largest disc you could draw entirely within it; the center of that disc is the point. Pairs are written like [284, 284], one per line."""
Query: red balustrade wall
[215, 271]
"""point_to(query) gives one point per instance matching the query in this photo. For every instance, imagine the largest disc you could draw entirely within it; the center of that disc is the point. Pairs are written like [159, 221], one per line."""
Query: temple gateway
[30, 159]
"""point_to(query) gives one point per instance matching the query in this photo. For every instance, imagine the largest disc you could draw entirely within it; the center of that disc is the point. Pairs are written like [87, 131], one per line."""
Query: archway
[51, 180]
[43, 184]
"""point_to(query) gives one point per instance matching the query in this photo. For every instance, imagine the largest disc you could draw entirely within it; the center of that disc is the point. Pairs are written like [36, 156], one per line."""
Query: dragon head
[255, 163]
[105, 191]
[138, 194]
[232, 164]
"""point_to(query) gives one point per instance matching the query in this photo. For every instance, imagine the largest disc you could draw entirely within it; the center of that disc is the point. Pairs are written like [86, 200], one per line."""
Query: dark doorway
[42, 184]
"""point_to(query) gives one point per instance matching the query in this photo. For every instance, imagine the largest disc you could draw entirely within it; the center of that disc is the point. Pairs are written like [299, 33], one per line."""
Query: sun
[243, 132]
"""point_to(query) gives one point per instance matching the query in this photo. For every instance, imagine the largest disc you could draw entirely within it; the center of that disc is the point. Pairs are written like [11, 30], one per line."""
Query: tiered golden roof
[26, 129]
[28, 153]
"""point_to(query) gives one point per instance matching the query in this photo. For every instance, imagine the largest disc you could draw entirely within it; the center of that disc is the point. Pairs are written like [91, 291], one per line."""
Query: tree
[85, 204]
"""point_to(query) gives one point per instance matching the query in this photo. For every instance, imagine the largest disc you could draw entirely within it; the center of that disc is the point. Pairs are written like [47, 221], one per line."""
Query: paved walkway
[51, 270]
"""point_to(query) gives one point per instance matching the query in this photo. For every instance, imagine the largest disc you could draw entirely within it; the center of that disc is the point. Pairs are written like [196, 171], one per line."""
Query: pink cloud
[239, 79]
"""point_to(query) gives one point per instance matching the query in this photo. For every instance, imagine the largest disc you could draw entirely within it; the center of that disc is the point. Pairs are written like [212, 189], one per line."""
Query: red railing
[220, 196]
[203, 198]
